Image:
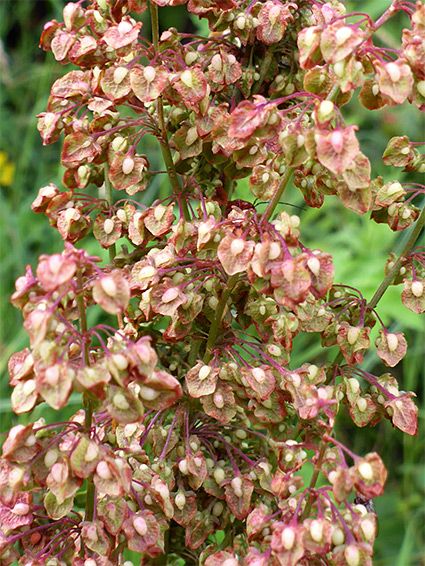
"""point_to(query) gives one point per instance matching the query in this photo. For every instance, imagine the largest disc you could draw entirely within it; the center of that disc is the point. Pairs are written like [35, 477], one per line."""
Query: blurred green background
[359, 249]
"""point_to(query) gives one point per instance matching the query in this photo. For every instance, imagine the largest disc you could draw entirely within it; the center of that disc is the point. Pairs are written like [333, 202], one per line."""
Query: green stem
[193, 354]
[87, 403]
[215, 326]
[392, 273]
[265, 217]
[396, 267]
[338, 359]
[389, 13]
[295, 431]
[82, 316]
[228, 187]
[313, 482]
[89, 511]
[119, 549]
[163, 139]
[333, 93]
[88, 410]
[159, 560]
[263, 71]
[83, 330]
[168, 160]
[109, 198]
[228, 539]
[153, 9]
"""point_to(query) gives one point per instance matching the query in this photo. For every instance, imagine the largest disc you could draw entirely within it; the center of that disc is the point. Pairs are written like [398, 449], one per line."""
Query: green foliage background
[359, 248]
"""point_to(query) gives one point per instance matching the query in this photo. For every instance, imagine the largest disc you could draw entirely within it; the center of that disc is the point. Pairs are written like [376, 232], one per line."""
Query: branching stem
[313, 481]
[263, 71]
[392, 273]
[396, 267]
[82, 317]
[163, 139]
[109, 198]
[215, 326]
[87, 402]
[277, 195]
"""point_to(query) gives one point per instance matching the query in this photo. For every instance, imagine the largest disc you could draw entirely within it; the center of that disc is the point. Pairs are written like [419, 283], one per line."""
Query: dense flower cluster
[195, 424]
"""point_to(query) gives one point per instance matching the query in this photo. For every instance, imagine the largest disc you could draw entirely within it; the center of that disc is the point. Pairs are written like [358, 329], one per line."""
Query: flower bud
[120, 402]
[108, 226]
[240, 22]
[314, 265]
[219, 475]
[21, 509]
[218, 400]
[259, 375]
[241, 434]
[288, 538]
[316, 530]
[170, 294]
[394, 71]
[392, 341]
[338, 536]
[295, 221]
[83, 172]
[120, 361]
[361, 509]
[417, 288]
[92, 452]
[353, 334]
[421, 88]
[29, 387]
[366, 471]
[119, 75]
[354, 384]
[51, 458]
[149, 74]
[140, 526]
[163, 490]
[368, 529]
[337, 141]
[274, 350]
[236, 484]
[103, 471]
[148, 394]
[343, 34]
[119, 143]
[237, 246]
[180, 500]
[124, 27]
[186, 78]
[352, 555]
[122, 215]
[127, 165]
[204, 372]
[190, 58]
[191, 136]
[217, 63]
[218, 509]
[325, 110]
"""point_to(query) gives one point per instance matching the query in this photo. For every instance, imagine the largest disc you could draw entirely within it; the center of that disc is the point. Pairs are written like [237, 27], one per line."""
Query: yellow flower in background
[7, 170]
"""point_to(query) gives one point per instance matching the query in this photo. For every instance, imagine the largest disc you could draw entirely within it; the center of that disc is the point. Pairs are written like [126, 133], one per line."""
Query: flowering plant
[195, 432]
